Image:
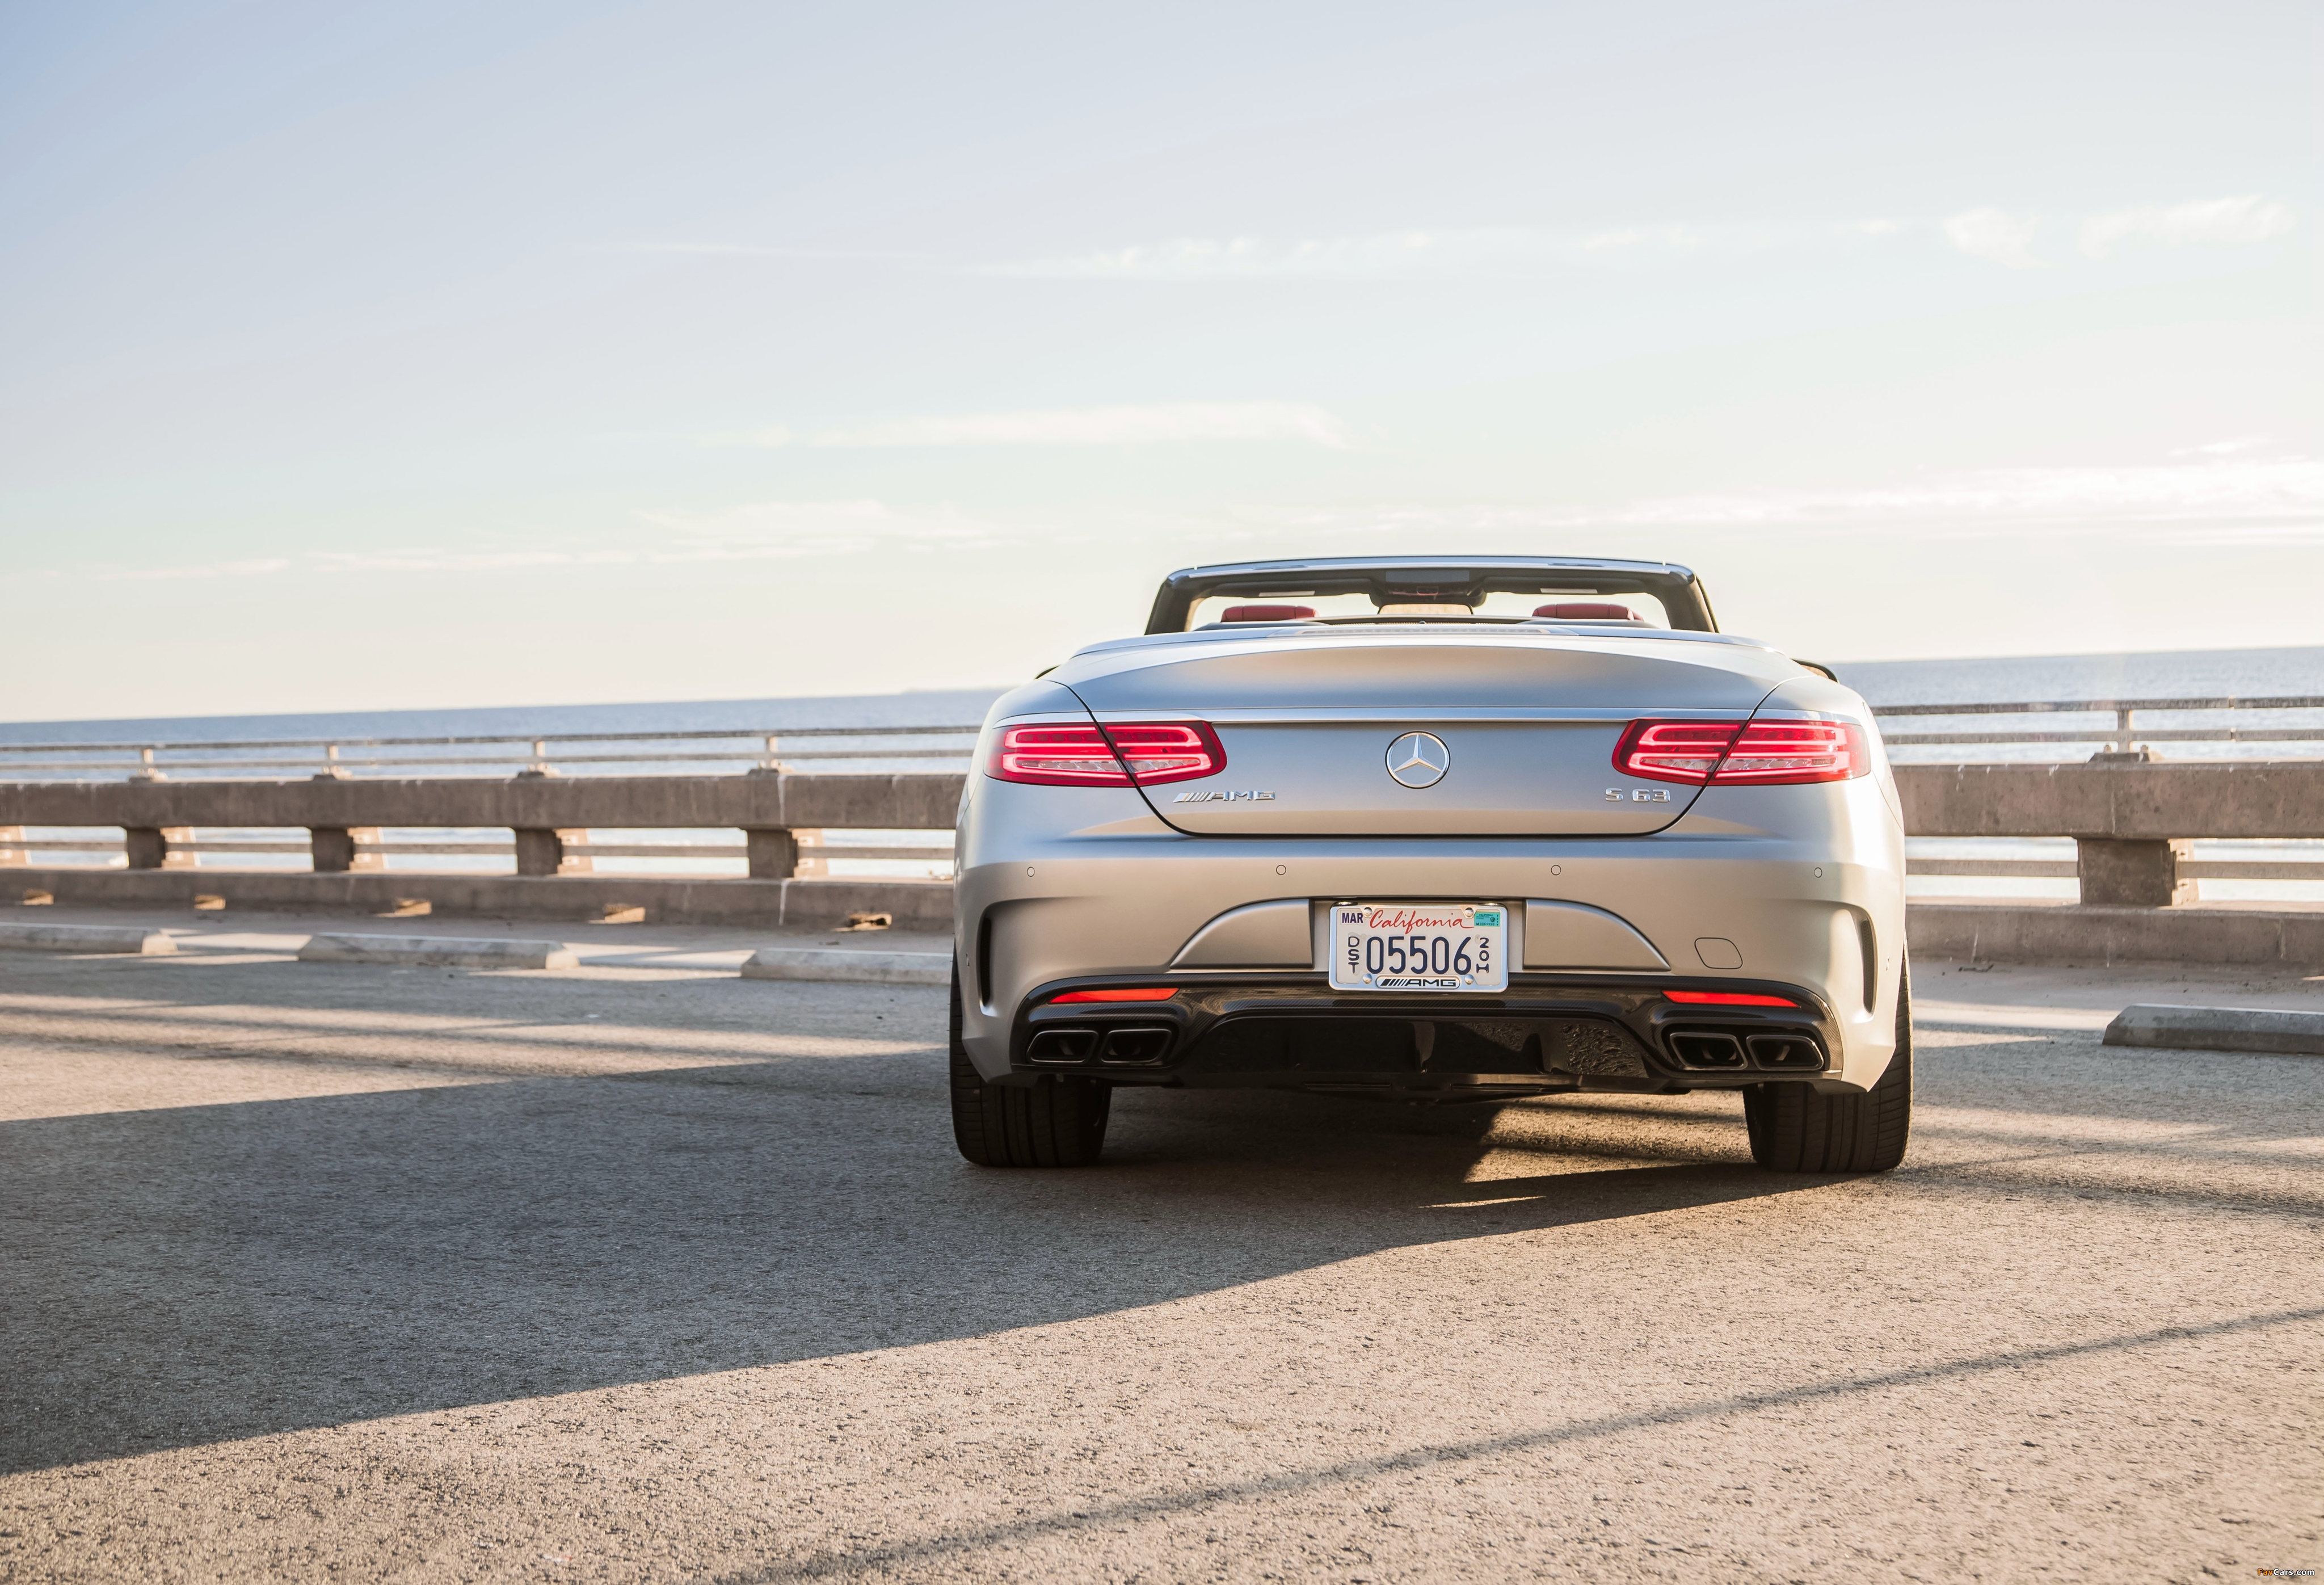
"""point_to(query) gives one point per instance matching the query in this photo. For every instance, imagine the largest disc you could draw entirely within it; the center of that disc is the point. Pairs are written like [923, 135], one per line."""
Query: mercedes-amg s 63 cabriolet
[1440, 832]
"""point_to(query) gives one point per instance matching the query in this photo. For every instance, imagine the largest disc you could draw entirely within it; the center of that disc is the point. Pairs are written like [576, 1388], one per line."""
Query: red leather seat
[1266, 612]
[1585, 610]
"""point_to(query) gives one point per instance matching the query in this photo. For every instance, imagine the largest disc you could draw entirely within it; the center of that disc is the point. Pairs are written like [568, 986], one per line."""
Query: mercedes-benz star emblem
[1418, 760]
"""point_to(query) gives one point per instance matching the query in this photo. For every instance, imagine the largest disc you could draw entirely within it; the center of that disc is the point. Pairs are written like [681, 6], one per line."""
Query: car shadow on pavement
[202, 1274]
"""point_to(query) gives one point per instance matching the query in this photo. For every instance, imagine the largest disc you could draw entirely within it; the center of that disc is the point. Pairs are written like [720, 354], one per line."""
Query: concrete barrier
[912, 802]
[2074, 933]
[863, 967]
[437, 951]
[2130, 820]
[2219, 1029]
[815, 905]
[90, 938]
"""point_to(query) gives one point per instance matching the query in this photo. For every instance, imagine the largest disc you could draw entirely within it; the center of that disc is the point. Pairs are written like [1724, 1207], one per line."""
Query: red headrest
[1582, 611]
[1266, 612]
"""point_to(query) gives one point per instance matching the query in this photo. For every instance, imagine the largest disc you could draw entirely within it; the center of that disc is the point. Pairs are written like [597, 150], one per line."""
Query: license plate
[1423, 946]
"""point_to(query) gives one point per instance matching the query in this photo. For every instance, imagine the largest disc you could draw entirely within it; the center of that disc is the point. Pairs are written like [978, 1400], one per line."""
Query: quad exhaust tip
[1712, 1050]
[1131, 1045]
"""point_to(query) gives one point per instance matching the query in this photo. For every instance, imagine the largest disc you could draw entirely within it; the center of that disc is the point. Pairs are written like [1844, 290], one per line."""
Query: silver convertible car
[1436, 832]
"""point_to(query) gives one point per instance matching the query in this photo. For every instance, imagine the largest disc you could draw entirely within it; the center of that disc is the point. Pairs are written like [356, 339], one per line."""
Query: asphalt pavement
[643, 1271]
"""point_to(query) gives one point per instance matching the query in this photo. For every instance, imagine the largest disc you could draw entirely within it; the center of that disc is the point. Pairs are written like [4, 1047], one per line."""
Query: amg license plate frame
[1431, 947]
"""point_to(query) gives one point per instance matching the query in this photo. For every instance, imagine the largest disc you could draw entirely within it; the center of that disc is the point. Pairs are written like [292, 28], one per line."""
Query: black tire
[1795, 1129]
[1058, 1121]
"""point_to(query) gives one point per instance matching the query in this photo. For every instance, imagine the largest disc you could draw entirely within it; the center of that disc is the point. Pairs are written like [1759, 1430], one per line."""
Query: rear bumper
[1795, 887]
[1547, 1033]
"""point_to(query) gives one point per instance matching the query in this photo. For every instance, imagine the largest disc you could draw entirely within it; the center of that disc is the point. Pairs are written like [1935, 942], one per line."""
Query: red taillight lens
[1141, 752]
[1729, 753]
[1779, 752]
[1142, 993]
[1674, 751]
[1727, 999]
[1168, 750]
[1057, 756]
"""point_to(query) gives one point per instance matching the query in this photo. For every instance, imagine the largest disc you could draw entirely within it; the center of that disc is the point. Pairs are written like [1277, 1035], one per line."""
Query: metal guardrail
[540, 752]
[2126, 734]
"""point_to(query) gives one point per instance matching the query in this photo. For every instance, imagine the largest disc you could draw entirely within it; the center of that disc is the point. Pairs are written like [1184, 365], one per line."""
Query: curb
[122, 938]
[437, 951]
[862, 968]
[2219, 1029]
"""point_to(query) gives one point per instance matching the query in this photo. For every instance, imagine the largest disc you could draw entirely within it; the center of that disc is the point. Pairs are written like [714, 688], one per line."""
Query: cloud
[2222, 502]
[2214, 221]
[755, 530]
[751, 531]
[1159, 423]
[2224, 448]
[1441, 251]
[1994, 234]
[2215, 491]
[220, 569]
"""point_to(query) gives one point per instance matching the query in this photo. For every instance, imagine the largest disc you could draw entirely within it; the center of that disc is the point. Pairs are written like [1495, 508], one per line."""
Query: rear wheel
[1795, 1129]
[1058, 1121]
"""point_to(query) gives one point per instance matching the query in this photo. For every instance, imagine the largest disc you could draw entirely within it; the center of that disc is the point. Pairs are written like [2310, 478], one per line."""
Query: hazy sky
[435, 353]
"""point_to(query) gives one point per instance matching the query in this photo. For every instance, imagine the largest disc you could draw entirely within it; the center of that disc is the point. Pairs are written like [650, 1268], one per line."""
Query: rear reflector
[1142, 993]
[1720, 998]
[1118, 754]
[1729, 753]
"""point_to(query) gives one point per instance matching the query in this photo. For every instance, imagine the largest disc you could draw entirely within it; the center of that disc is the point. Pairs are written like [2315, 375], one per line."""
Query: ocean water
[2187, 674]
[2184, 674]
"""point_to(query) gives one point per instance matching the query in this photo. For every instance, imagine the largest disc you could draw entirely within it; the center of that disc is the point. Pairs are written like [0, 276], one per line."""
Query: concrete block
[158, 847]
[2137, 872]
[437, 951]
[2219, 1029]
[864, 968]
[542, 852]
[773, 853]
[333, 849]
[122, 938]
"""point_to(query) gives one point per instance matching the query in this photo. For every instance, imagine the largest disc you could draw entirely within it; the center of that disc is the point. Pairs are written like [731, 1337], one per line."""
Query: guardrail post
[773, 851]
[151, 847]
[333, 848]
[780, 853]
[2132, 874]
[542, 852]
[13, 855]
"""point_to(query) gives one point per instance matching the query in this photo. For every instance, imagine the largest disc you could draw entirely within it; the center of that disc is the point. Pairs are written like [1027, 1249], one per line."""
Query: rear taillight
[1783, 752]
[1140, 754]
[1674, 751]
[1168, 750]
[1736, 753]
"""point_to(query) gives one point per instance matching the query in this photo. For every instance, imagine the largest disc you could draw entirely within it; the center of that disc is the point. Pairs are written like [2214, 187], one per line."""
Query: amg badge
[1221, 796]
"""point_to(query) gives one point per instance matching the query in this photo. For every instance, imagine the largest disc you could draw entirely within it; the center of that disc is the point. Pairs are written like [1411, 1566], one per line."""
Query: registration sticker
[1419, 946]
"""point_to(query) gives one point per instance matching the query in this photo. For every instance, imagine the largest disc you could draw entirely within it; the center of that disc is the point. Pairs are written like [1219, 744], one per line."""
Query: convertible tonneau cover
[1450, 579]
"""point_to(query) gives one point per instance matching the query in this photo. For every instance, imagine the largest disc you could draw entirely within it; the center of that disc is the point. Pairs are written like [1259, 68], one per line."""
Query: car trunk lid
[1423, 732]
